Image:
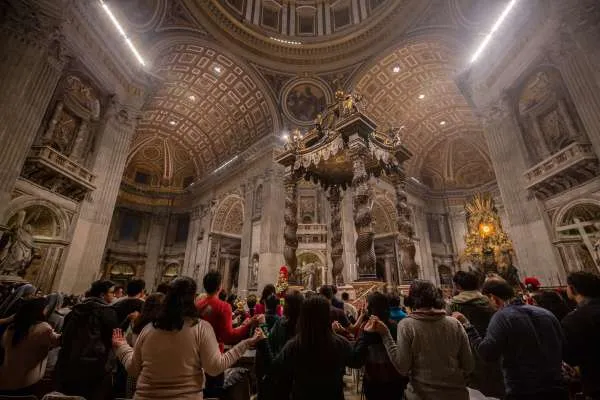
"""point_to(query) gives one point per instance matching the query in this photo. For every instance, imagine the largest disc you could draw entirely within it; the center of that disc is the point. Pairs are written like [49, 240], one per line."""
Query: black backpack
[85, 354]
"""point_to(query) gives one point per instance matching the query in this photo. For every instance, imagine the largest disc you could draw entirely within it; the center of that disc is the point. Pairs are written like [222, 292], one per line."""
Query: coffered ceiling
[224, 79]
[412, 88]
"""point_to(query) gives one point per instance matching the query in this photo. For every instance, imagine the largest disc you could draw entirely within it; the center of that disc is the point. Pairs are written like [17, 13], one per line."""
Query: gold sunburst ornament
[487, 245]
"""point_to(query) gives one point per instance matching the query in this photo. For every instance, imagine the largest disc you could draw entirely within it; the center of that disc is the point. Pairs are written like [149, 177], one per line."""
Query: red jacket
[218, 313]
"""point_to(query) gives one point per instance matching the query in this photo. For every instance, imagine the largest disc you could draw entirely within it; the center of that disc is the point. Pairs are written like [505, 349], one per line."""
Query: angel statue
[17, 247]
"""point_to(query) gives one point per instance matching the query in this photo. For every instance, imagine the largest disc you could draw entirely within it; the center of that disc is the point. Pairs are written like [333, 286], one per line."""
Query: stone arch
[49, 226]
[229, 216]
[384, 216]
[577, 235]
[60, 220]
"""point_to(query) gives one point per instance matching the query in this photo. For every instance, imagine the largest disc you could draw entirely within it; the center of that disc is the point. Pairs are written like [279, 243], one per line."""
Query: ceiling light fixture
[192, 98]
[442, 123]
[396, 69]
[217, 69]
[495, 27]
[172, 123]
[421, 96]
[225, 164]
[122, 32]
[285, 41]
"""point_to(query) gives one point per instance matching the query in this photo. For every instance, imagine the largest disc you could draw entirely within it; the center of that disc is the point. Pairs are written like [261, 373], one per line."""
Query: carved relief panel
[72, 121]
[547, 115]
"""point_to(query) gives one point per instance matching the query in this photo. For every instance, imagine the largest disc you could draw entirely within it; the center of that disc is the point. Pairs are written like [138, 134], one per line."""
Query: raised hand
[376, 325]
[258, 336]
[117, 338]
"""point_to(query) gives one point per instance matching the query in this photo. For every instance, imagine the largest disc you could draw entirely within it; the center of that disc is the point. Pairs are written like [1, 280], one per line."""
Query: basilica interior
[350, 140]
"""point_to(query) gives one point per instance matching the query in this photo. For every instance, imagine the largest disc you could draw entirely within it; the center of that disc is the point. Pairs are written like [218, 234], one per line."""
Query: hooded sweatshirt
[487, 376]
[433, 351]
[473, 305]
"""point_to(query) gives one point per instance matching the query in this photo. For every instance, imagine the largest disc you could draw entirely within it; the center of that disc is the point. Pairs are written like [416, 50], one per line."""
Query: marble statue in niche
[17, 247]
[253, 275]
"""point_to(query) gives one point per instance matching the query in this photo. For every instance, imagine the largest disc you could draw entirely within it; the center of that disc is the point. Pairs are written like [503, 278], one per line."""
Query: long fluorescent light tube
[122, 32]
[225, 164]
[495, 27]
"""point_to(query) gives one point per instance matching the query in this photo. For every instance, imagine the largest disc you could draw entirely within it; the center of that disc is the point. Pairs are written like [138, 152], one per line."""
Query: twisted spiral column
[291, 222]
[363, 200]
[337, 247]
[410, 269]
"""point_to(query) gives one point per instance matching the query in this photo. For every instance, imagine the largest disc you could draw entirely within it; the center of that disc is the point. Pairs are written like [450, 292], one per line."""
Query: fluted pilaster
[578, 76]
[528, 230]
[32, 62]
[89, 239]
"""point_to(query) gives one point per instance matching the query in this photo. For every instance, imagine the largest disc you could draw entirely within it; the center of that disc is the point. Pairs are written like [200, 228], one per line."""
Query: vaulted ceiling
[222, 74]
[412, 88]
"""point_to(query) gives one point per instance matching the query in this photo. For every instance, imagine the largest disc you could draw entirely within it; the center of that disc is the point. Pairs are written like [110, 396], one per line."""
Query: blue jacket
[529, 340]
[396, 314]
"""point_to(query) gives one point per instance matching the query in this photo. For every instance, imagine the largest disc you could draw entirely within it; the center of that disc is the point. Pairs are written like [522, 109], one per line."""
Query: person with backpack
[86, 360]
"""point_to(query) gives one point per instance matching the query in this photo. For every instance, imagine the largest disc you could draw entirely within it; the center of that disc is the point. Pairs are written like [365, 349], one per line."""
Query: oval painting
[304, 101]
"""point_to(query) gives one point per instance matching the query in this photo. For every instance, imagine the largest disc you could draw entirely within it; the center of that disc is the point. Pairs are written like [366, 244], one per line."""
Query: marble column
[192, 242]
[90, 233]
[528, 230]
[30, 68]
[154, 245]
[291, 220]
[577, 74]
[362, 200]
[582, 21]
[337, 246]
[246, 241]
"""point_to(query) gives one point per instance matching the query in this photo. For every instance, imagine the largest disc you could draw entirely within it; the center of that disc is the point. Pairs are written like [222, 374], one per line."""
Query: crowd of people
[489, 339]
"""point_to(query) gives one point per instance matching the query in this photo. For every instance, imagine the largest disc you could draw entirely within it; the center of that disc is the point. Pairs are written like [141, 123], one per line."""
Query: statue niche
[32, 247]
[547, 115]
[70, 127]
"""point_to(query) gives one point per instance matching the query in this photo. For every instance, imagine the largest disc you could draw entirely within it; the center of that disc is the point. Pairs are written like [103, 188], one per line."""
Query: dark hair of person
[29, 314]
[119, 287]
[135, 287]
[100, 287]
[394, 300]
[553, 302]
[314, 325]
[150, 310]
[268, 290]
[223, 295]
[379, 306]
[212, 281]
[163, 288]
[326, 291]
[423, 294]
[251, 301]
[467, 280]
[334, 289]
[585, 284]
[177, 305]
[345, 296]
[498, 288]
[232, 299]
[292, 308]
[271, 304]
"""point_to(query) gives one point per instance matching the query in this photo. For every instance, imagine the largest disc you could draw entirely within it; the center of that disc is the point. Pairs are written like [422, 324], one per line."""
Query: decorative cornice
[325, 55]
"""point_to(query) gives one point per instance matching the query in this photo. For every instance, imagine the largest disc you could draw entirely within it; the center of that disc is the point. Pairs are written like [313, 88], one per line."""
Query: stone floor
[350, 393]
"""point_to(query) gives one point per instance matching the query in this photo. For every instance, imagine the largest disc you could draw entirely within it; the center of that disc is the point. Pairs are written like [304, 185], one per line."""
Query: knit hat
[532, 283]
